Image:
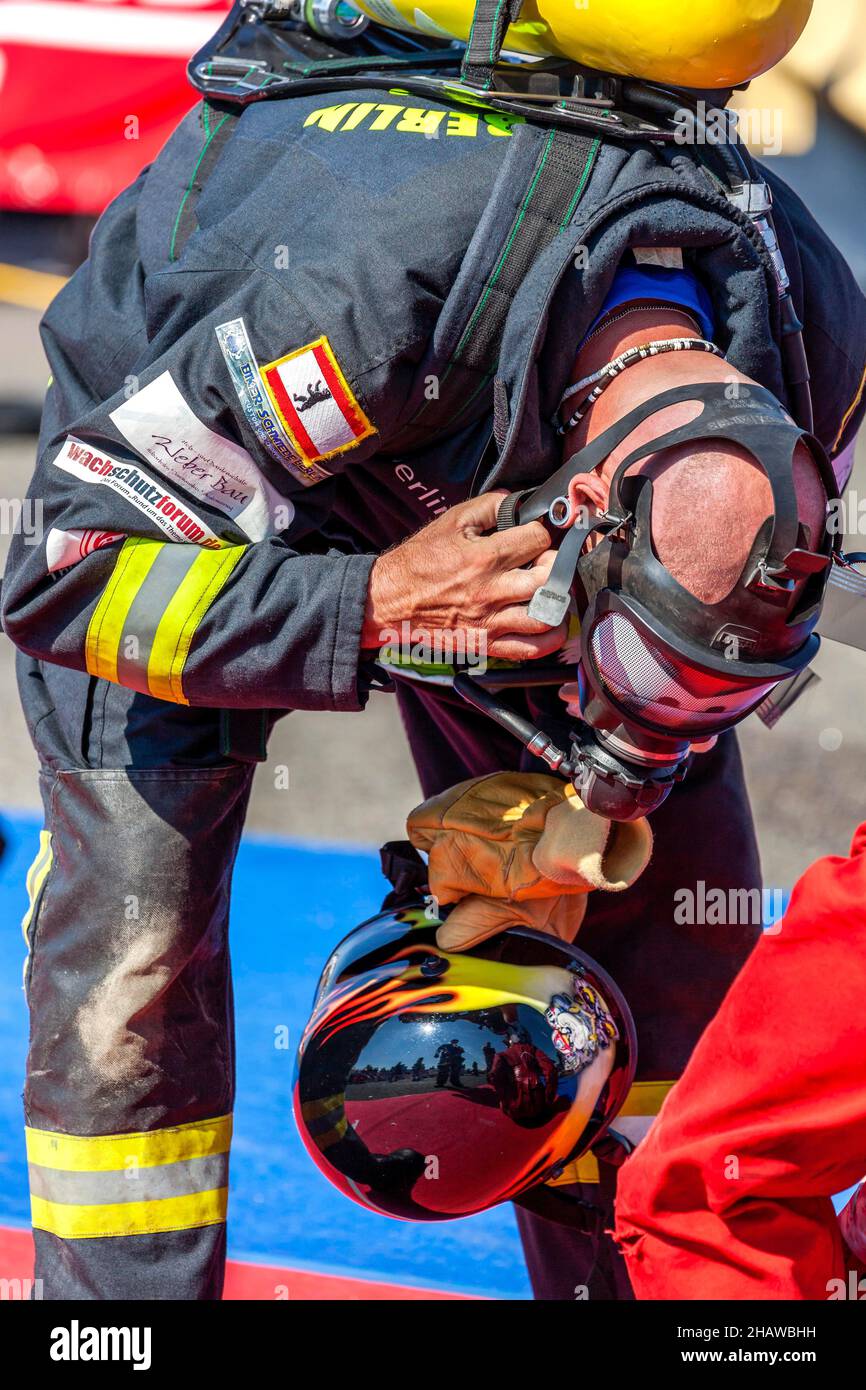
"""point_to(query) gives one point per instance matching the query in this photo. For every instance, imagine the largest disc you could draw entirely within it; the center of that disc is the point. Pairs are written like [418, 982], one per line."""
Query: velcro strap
[217, 126]
[562, 171]
[506, 517]
[244, 734]
[559, 177]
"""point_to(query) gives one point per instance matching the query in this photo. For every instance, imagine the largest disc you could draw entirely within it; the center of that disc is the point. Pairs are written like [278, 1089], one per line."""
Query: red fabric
[78, 123]
[439, 1126]
[728, 1197]
[524, 1079]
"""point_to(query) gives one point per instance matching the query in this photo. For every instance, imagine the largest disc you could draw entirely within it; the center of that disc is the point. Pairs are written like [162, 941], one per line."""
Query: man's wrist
[376, 606]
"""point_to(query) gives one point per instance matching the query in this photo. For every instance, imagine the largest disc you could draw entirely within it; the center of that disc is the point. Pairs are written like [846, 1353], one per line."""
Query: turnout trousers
[130, 1075]
[130, 1072]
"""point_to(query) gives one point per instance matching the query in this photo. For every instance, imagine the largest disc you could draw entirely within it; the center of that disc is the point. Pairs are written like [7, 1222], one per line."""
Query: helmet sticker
[580, 1027]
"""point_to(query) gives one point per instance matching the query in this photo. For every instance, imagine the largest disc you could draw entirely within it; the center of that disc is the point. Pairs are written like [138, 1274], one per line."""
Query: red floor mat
[263, 1283]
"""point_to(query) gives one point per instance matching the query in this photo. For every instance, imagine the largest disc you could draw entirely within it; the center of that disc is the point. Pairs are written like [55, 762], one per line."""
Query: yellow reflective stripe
[583, 1169]
[332, 1135]
[849, 412]
[44, 843]
[644, 1098]
[173, 637]
[100, 1153]
[326, 1118]
[312, 1109]
[130, 1218]
[36, 876]
[161, 589]
[106, 627]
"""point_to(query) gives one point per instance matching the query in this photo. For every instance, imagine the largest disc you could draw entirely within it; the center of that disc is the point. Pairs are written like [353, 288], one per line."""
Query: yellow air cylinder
[678, 43]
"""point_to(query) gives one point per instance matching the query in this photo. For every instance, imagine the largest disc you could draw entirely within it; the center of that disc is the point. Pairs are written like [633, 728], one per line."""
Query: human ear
[587, 491]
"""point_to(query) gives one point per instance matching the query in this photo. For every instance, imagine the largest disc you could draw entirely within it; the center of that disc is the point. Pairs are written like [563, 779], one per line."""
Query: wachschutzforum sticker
[314, 403]
[174, 518]
[265, 423]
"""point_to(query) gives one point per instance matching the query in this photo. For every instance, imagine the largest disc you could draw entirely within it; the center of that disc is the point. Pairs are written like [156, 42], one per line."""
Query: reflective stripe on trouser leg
[35, 882]
[130, 1081]
[642, 1104]
[85, 1186]
[326, 1120]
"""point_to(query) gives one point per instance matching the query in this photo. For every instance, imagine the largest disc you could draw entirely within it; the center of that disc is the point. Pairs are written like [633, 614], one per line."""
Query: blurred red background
[89, 92]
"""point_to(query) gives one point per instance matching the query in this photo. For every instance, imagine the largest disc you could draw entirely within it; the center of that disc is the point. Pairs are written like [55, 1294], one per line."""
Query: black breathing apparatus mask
[659, 671]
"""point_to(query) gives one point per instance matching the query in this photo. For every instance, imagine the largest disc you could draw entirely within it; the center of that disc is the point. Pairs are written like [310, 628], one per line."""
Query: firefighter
[313, 347]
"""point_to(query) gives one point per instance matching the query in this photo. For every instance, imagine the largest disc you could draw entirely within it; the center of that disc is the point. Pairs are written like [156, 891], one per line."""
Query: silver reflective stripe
[158, 587]
[135, 1184]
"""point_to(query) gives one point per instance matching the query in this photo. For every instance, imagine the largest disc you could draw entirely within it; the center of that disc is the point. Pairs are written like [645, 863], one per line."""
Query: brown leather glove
[521, 847]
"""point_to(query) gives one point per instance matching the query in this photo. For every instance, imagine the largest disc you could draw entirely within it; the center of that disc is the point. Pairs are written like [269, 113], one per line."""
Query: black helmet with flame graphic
[431, 1086]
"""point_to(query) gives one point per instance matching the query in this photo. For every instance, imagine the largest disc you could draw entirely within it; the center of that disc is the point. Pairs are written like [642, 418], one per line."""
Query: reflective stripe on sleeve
[143, 626]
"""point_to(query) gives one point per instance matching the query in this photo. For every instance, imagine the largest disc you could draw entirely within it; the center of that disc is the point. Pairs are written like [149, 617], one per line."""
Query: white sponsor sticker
[161, 427]
[166, 511]
[65, 548]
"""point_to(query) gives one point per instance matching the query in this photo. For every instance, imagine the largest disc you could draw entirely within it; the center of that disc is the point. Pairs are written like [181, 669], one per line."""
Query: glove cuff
[577, 847]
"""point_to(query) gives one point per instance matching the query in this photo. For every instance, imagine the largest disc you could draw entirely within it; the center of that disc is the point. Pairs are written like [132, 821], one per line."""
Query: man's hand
[452, 577]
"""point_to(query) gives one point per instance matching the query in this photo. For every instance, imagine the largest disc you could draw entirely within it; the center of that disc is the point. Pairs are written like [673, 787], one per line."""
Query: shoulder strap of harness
[217, 125]
[489, 23]
[556, 184]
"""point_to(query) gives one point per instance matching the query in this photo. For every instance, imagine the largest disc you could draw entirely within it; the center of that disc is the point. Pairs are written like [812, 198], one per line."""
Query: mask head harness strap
[756, 422]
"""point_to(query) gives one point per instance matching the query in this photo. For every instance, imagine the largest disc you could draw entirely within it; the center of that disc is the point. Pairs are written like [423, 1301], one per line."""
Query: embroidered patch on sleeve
[314, 403]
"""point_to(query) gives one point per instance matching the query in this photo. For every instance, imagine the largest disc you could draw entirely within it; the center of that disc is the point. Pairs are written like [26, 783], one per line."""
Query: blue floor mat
[292, 902]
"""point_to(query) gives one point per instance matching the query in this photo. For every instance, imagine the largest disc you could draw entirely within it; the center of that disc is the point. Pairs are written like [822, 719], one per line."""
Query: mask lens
[651, 682]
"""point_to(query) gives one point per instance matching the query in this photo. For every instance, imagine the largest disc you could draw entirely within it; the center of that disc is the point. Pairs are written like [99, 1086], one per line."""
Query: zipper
[628, 309]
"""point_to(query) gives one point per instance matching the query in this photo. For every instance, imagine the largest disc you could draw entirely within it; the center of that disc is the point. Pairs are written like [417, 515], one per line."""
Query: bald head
[709, 500]
[710, 504]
